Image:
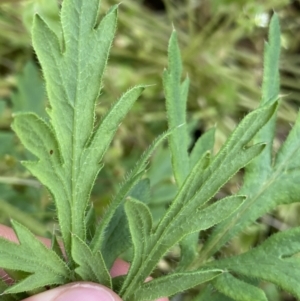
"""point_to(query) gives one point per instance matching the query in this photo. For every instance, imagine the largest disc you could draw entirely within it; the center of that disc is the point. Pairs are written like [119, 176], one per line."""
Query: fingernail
[87, 292]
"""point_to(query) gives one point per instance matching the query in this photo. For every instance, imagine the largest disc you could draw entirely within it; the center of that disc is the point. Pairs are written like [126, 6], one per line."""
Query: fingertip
[119, 268]
[77, 291]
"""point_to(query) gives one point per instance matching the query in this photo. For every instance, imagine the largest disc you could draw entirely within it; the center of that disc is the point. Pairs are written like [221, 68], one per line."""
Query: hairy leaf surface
[176, 97]
[237, 289]
[172, 284]
[44, 266]
[73, 70]
[268, 182]
[272, 261]
[70, 147]
[196, 187]
[91, 266]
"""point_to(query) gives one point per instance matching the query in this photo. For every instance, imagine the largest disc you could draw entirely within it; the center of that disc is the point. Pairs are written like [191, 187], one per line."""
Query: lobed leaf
[71, 146]
[91, 266]
[202, 219]
[233, 156]
[267, 182]
[176, 97]
[98, 145]
[203, 182]
[39, 138]
[150, 246]
[73, 68]
[44, 266]
[274, 261]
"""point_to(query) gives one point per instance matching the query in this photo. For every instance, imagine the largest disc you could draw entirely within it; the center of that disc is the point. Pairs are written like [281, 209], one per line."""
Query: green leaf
[202, 219]
[149, 244]
[69, 149]
[196, 221]
[140, 225]
[91, 266]
[270, 94]
[33, 257]
[99, 142]
[73, 69]
[268, 182]
[237, 289]
[199, 187]
[233, 156]
[189, 244]
[103, 135]
[176, 97]
[274, 261]
[172, 284]
[38, 137]
[270, 86]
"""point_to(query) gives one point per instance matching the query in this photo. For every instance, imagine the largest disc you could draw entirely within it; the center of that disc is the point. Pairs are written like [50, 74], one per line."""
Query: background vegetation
[222, 46]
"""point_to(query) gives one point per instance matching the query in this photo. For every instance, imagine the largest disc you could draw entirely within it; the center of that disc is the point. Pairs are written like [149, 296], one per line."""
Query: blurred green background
[222, 48]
